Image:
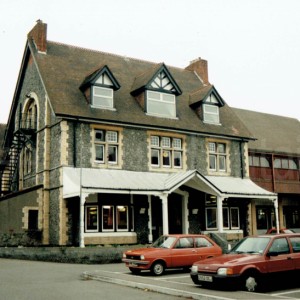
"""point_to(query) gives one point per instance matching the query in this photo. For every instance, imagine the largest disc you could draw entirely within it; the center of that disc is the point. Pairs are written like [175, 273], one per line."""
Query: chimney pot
[199, 66]
[39, 36]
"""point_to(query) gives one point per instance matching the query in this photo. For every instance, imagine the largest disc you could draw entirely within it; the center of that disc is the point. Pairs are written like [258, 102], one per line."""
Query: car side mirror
[272, 253]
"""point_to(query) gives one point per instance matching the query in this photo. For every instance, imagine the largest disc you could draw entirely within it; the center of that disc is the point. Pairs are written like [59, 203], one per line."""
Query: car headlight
[124, 255]
[194, 269]
[225, 271]
[142, 257]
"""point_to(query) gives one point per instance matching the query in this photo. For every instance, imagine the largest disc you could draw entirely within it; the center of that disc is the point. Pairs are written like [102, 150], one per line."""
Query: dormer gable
[207, 103]
[99, 87]
[156, 91]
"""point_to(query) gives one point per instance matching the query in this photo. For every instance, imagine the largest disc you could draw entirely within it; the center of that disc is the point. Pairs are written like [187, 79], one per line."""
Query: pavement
[176, 283]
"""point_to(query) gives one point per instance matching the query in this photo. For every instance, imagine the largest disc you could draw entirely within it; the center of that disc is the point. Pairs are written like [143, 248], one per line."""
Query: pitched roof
[63, 69]
[274, 133]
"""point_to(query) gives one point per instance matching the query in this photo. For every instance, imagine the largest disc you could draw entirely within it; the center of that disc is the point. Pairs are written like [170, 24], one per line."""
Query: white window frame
[211, 114]
[113, 217]
[104, 100]
[86, 218]
[153, 103]
[238, 216]
[127, 217]
[165, 145]
[215, 156]
[110, 139]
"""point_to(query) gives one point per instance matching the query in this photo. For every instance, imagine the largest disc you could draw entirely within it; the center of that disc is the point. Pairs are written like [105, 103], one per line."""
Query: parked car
[251, 262]
[171, 251]
[281, 230]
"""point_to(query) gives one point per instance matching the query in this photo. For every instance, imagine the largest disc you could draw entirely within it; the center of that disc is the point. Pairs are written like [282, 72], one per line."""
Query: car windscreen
[251, 245]
[164, 242]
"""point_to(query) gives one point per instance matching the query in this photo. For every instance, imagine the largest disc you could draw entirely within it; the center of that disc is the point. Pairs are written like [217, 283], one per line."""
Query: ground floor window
[291, 215]
[231, 218]
[105, 218]
[265, 217]
[33, 219]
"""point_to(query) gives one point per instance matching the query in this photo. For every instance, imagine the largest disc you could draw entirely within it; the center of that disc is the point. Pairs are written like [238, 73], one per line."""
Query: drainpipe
[241, 158]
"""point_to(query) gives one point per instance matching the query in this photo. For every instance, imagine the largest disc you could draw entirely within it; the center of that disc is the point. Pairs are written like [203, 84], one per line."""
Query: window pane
[168, 98]
[166, 158]
[225, 217]
[222, 163]
[221, 148]
[292, 164]
[99, 149]
[122, 218]
[264, 162]
[153, 95]
[91, 213]
[165, 142]
[235, 221]
[212, 147]
[99, 135]
[277, 163]
[211, 218]
[212, 162]
[112, 154]
[284, 163]
[177, 143]
[112, 136]
[161, 108]
[177, 159]
[202, 242]
[155, 141]
[155, 157]
[108, 217]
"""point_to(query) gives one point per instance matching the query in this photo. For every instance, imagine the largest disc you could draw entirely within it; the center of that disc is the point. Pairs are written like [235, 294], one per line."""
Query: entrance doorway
[175, 213]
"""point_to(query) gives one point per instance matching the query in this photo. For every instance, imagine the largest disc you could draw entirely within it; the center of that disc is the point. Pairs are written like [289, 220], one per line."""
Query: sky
[252, 46]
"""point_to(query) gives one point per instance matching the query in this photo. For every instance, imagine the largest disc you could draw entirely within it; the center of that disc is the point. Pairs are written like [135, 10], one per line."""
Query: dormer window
[156, 92]
[211, 110]
[99, 88]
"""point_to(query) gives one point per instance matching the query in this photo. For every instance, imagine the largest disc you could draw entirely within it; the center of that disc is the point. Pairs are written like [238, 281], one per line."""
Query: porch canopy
[88, 181]
[84, 181]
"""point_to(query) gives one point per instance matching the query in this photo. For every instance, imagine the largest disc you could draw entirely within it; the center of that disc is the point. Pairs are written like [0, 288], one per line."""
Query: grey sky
[252, 46]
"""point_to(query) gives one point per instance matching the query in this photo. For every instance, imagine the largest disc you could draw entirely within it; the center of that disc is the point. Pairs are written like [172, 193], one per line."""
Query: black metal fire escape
[24, 135]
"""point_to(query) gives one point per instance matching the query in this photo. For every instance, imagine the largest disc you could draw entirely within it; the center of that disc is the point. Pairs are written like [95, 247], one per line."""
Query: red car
[171, 251]
[252, 263]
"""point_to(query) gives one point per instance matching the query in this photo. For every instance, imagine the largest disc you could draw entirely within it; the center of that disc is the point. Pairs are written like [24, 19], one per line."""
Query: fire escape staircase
[9, 174]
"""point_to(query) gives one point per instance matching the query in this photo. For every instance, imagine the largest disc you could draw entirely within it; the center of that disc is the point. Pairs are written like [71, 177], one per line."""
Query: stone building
[106, 149]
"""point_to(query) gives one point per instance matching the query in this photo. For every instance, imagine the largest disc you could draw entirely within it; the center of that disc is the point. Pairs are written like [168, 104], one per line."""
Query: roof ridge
[115, 55]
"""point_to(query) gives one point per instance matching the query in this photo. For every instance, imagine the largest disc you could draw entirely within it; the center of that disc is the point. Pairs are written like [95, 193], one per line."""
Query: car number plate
[205, 278]
[132, 265]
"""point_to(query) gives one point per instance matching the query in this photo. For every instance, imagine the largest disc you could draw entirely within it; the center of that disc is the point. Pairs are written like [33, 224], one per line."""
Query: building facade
[106, 149]
[274, 160]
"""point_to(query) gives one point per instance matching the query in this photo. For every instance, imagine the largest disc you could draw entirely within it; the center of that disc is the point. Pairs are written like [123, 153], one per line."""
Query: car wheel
[251, 282]
[158, 268]
[135, 271]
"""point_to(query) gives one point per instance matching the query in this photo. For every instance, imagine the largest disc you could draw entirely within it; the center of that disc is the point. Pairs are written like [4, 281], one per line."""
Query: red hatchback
[171, 251]
[253, 261]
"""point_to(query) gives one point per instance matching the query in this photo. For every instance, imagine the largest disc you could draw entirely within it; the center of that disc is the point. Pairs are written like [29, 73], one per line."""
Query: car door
[295, 242]
[280, 258]
[183, 252]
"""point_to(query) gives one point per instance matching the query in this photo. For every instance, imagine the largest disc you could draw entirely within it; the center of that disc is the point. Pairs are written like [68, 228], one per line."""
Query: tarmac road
[33, 280]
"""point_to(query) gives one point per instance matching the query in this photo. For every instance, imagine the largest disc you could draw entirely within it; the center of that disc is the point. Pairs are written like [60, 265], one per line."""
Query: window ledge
[104, 107]
[162, 116]
[109, 234]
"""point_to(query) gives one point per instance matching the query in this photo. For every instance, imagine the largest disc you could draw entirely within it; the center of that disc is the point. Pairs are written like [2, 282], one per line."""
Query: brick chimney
[39, 36]
[200, 67]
